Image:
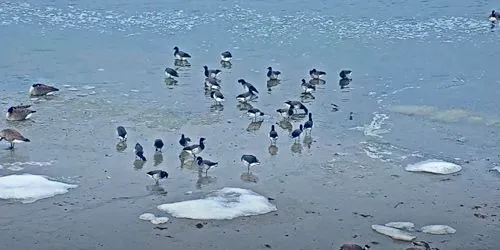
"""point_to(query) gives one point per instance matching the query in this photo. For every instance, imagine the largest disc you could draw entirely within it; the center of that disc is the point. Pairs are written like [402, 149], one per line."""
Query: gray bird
[217, 96]
[211, 72]
[195, 149]
[273, 75]
[205, 164]
[226, 56]
[184, 141]
[171, 73]
[211, 84]
[297, 105]
[250, 161]
[157, 175]
[248, 86]
[246, 97]
[316, 74]
[139, 152]
[41, 89]
[12, 136]
[307, 87]
[181, 55]
[19, 113]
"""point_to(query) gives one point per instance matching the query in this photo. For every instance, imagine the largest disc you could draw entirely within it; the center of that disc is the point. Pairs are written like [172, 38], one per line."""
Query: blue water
[404, 55]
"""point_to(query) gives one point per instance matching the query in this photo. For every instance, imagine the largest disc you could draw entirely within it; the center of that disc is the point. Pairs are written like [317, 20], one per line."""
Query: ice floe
[434, 166]
[30, 188]
[153, 219]
[438, 229]
[408, 226]
[394, 233]
[224, 204]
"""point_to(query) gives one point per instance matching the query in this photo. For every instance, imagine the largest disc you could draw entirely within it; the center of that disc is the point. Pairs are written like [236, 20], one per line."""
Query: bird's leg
[11, 145]
[206, 172]
[248, 166]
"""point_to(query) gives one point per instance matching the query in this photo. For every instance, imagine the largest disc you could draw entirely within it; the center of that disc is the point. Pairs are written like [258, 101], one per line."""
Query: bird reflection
[308, 141]
[187, 161]
[317, 81]
[225, 64]
[138, 164]
[307, 97]
[181, 63]
[121, 146]
[296, 147]
[272, 83]
[249, 177]
[344, 82]
[170, 81]
[217, 108]
[156, 189]
[298, 117]
[244, 106]
[254, 126]
[285, 124]
[273, 149]
[204, 179]
[158, 158]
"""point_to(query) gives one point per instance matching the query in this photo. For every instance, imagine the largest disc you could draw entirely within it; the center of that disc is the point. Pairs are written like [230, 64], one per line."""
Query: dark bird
[184, 141]
[19, 113]
[226, 56]
[344, 82]
[211, 83]
[249, 161]
[41, 89]
[12, 136]
[171, 73]
[254, 113]
[211, 72]
[353, 247]
[309, 124]
[195, 149]
[217, 96]
[494, 16]
[139, 152]
[345, 73]
[248, 86]
[246, 97]
[335, 107]
[122, 133]
[273, 135]
[307, 87]
[180, 55]
[205, 164]
[350, 115]
[297, 105]
[158, 145]
[273, 75]
[157, 175]
[296, 133]
[316, 74]
[286, 113]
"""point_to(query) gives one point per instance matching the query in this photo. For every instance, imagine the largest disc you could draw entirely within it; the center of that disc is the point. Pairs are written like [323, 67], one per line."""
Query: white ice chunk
[434, 166]
[403, 225]
[225, 204]
[30, 188]
[394, 233]
[159, 220]
[147, 216]
[438, 229]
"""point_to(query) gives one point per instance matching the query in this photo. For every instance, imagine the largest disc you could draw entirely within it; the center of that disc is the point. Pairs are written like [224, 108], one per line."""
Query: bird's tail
[26, 140]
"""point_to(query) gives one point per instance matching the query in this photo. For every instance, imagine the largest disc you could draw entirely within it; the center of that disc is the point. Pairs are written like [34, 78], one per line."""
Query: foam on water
[18, 166]
[153, 219]
[257, 23]
[30, 188]
[225, 204]
[375, 127]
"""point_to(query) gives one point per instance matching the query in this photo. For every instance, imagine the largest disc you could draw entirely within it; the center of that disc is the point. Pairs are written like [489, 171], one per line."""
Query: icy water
[425, 86]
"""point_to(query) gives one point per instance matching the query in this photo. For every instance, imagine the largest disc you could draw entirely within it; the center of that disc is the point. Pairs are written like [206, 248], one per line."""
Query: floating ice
[408, 226]
[496, 169]
[30, 188]
[147, 216]
[434, 166]
[394, 233]
[18, 166]
[225, 204]
[153, 219]
[438, 229]
[88, 87]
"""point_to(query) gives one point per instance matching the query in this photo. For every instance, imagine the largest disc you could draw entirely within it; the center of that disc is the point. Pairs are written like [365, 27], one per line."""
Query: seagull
[247, 86]
[205, 164]
[158, 145]
[171, 73]
[184, 141]
[41, 89]
[122, 133]
[250, 161]
[19, 113]
[316, 74]
[273, 135]
[180, 55]
[226, 56]
[157, 175]
[12, 136]
[139, 152]
[273, 75]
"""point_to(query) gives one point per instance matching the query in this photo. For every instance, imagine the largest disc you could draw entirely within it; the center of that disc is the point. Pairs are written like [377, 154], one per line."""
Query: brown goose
[12, 136]
[19, 113]
[40, 89]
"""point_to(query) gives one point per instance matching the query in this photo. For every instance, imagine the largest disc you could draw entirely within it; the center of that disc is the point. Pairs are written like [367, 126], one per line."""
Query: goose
[40, 89]
[19, 113]
[12, 136]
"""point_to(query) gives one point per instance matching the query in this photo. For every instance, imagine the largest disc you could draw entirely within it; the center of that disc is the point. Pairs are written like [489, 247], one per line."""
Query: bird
[350, 115]
[493, 17]
[419, 245]
[226, 56]
[217, 96]
[40, 89]
[211, 72]
[316, 74]
[247, 86]
[307, 87]
[19, 113]
[184, 141]
[157, 175]
[309, 124]
[139, 152]
[286, 113]
[171, 73]
[247, 96]
[122, 133]
[273, 135]
[296, 133]
[345, 73]
[254, 113]
[335, 107]
[12, 136]
[297, 105]
[353, 247]
[158, 145]
[273, 75]
[211, 83]
[181, 55]
[249, 161]
[205, 164]
[195, 149]
[344, 82]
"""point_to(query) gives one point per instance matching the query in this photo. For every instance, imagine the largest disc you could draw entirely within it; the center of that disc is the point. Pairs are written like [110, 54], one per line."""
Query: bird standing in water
[158, 145]
[273, 135]
[139, 152]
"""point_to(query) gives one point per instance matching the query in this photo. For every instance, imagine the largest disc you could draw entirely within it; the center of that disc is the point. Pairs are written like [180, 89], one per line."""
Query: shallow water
[424, 87]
